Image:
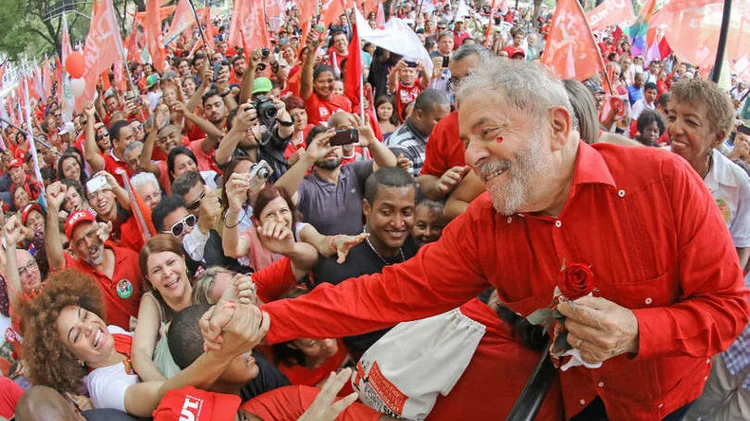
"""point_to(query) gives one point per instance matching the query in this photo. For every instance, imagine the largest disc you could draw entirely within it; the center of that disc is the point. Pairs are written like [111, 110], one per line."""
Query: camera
[259, 175]
[266, 110]
[265, 52]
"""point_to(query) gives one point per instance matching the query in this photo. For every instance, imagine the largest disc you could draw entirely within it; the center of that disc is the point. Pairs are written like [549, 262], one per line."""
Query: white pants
[723, 398]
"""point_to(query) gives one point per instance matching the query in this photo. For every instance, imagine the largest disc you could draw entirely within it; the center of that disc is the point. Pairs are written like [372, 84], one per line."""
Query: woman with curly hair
[67, 345]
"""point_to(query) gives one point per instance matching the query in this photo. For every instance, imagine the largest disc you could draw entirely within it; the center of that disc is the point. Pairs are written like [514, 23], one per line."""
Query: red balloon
[74, 64]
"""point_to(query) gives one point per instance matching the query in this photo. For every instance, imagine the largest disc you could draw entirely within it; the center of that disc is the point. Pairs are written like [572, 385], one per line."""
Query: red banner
[611, 12]
[102, 46]
[248, 27]
[154, 37]
[692, 29]
[571, 51]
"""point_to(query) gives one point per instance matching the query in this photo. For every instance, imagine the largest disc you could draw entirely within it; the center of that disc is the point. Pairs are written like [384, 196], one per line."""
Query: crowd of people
[191, 245]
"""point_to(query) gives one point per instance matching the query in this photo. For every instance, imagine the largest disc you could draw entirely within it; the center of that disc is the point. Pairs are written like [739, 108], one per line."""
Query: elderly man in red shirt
[669, 288]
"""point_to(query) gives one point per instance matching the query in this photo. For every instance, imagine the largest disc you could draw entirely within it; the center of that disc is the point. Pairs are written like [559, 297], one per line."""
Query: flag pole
[200, 28]
[723, 35]
[362, 97]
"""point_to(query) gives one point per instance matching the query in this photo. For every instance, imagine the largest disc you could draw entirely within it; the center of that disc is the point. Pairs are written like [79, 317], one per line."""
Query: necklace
[385, 262]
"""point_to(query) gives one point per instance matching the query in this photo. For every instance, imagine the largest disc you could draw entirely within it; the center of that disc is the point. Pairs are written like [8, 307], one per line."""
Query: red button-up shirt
[654, 238]
[121, 293]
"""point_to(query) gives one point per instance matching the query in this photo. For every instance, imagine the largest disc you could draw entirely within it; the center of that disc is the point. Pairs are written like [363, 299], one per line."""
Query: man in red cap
[115, 269]
[20, 177]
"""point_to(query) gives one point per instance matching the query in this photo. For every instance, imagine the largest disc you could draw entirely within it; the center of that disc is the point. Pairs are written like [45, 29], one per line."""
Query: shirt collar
[410, 126]
[591, 167]
[720, 173]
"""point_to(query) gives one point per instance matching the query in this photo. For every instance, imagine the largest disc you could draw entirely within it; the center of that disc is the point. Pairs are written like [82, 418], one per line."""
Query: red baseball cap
[76, 218]
[15, 163]
[27, 210]
[196, 404]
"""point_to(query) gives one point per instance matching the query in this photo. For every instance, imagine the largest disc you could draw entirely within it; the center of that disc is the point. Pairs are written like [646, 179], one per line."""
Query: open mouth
[98, 338]
[172, 284]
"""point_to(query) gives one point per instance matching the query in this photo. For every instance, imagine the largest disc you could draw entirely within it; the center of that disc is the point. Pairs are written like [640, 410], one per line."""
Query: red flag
[154, 37]
[210, 30]
[380, 17]
[141, 211]
[332, 11]
[163, 13]
[102, 47]
[664, 48]
[306, 12]
[488, 34]
[571, 51]
[353, 76]
[611, 12]
[248, 26]
[183, 19]
[66, 48]
[692, 29]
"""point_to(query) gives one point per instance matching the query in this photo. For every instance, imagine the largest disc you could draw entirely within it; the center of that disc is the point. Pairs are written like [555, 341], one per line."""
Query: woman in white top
[67, 345]
[702, 116]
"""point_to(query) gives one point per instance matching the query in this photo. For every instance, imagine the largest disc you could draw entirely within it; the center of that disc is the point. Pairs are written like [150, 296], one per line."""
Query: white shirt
[107, 385]
[730, 187]
[638, 108]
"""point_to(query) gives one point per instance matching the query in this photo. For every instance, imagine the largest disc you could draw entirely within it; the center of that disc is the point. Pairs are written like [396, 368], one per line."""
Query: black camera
[266, 110]
[265, 52]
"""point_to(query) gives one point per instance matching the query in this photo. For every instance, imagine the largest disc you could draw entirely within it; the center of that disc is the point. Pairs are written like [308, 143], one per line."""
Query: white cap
[67, 128]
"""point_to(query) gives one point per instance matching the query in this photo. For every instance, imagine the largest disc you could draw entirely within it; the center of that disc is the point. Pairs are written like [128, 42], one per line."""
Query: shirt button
[558, 223]
[621, 193]
[601, 384]
[510, 219]
[705, 378]
[648, 300]
[583, 402]
[708, 361]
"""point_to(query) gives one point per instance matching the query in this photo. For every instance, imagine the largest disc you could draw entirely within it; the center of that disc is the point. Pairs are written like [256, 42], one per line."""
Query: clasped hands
[233, 328]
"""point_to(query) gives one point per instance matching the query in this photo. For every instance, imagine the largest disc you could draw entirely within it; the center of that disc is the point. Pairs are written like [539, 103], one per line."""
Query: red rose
[577, 281]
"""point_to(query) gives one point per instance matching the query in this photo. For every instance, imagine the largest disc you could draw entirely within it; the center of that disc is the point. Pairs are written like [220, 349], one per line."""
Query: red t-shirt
[122, 293]
[444, 150]
[164, 180]
[406, 94]
[319, 111]
[290, 402]
[293, 147]
[10, 393]
[274, 280]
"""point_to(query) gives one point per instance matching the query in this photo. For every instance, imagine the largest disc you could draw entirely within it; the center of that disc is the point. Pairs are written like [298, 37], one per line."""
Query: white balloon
[77, 86]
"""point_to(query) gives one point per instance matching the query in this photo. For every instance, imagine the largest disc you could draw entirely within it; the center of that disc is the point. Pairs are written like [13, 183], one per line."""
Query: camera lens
[263, 173]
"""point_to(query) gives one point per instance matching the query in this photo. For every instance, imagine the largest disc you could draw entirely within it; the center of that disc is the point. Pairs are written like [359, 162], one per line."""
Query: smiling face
[167, 274]
[428, 225]
[35, 221]
[104, 203]
[85, 334]
[323, 85]
[390, 217]
[183, 164]
[71, 168]
[277, 210]
[691, 132]
[504, 150]
[86, 244]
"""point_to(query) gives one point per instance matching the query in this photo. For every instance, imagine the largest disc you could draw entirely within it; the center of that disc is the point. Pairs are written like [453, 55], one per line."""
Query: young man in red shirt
[406, 81]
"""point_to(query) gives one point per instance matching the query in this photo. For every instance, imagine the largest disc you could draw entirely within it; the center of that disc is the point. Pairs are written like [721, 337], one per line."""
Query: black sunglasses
[195, 205]
[179, 227]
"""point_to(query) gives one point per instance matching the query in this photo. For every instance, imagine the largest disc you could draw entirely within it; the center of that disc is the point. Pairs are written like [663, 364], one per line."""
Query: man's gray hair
[527, 86]
[132, 145]
[468, 50]
[142, 178]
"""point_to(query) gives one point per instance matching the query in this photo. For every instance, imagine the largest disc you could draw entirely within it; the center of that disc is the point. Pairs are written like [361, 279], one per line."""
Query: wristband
[226, 216]
[285, 123]
[229, 91]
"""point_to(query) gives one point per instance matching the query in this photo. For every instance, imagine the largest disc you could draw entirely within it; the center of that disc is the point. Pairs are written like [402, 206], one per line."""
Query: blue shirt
[634, 94]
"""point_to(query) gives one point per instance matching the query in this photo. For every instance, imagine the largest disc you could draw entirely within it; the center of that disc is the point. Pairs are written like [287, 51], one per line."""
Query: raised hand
[56, 195]
[276, 237]
[325, 407]
[12, 230]
[344, 243]
[451, 178]
[237, 187]
[241, 289]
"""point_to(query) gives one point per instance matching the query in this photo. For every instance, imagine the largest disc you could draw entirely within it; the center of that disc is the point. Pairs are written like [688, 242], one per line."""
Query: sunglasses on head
[179, 227]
